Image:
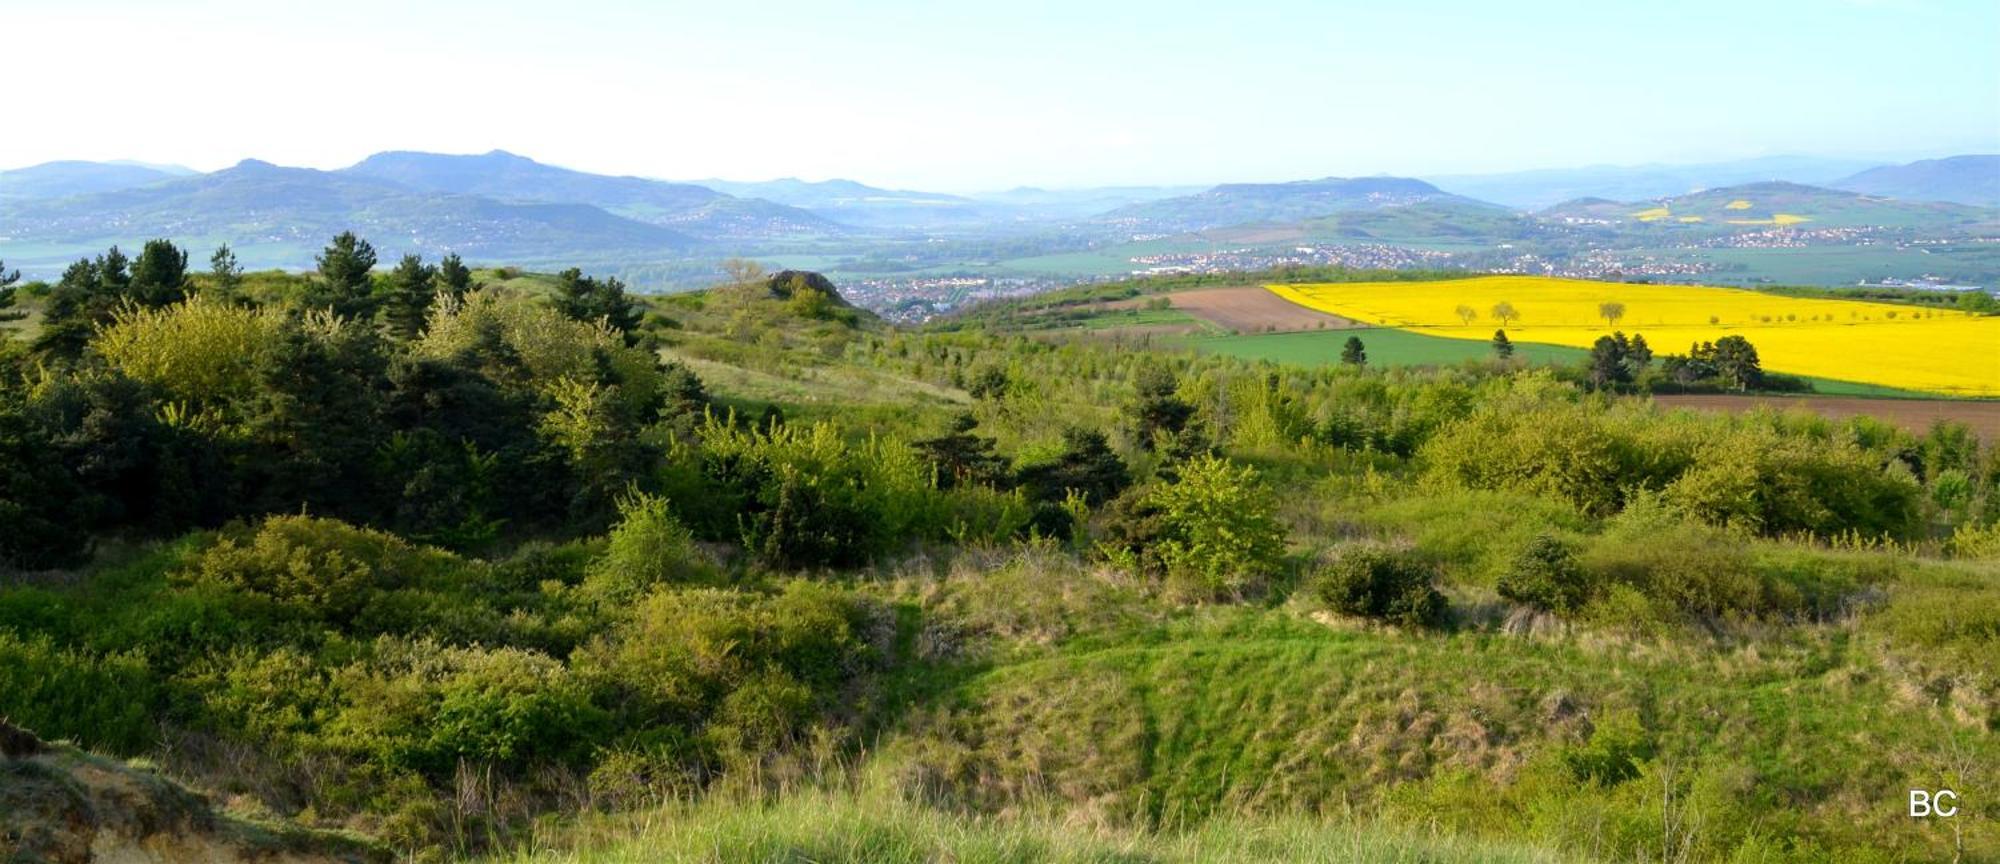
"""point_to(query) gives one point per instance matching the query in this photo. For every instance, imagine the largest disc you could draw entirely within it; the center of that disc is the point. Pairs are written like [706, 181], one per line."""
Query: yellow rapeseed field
[1873, 343]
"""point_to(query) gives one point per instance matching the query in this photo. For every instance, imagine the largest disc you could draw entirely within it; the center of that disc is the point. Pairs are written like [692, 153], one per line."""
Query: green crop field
[1385, 346]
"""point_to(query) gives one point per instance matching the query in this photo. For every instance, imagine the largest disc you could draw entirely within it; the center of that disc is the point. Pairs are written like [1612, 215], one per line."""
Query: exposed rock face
[785, 283]
[59, 804]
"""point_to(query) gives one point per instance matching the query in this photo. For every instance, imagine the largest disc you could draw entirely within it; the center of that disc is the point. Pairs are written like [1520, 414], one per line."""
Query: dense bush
[1547, 576]
[1756, 472]
[105, 702]
[316, 568]
[648, 547]
[1210, 532]
[1383, 584]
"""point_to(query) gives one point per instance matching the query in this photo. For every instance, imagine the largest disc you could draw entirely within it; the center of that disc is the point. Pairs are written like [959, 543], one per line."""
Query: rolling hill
[1240, 203]
[1758, 206]
[1547, 187]
[279, 216]
[1959, 179]
[504, 176]
[65, 178]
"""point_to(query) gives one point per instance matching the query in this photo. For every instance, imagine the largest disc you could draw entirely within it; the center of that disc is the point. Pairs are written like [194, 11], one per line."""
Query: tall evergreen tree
[1503, 347]
[454, 279]
[1354, 353]
[586, 298]
[86, 295]
[159, 276]
[7, 280]
[114, 273]
[412, 289]
[343, 283]
[225, 275]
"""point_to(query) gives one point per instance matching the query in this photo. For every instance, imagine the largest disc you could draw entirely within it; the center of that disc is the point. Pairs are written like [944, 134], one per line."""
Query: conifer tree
[412, 289]
[343, 284]
[1354, 353]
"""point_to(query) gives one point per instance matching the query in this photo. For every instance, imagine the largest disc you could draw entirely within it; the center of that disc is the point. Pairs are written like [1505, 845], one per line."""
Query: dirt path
[1916, 415]
[1251, 309]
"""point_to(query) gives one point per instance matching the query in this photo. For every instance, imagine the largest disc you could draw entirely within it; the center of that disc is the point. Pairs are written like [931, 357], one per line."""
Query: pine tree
[585, 298]
[412, 289]
[225, 275]
[1354, 353]
[1503, 347]
[343, 284]
[454, 279]
[159, 276]
[7, 280]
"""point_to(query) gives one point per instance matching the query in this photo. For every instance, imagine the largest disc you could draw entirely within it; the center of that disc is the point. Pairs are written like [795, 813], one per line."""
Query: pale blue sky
[963, 96]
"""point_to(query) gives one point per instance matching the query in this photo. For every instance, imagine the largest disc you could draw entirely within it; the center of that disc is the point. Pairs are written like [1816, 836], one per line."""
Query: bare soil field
[1916, 415]
[1251, 309]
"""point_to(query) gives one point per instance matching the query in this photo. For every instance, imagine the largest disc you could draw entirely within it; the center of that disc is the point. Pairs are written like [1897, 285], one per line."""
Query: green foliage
[412, 288]
[430, 707]
[202, 351]
[104, 702]
[598, 302]
[159, 275]
[225, 276]
[1383, 584]
[1547, 576]
[343, 285]
[315, 568]
[1353, 353]
[647, 548]
[1210, 532]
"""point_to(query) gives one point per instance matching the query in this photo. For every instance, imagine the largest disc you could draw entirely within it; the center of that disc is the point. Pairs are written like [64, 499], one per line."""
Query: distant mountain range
[504, 176]
[502, 207]
[272, 213]
[60, 179]
[1757, 206]
[1959, 179]
[1534, 190]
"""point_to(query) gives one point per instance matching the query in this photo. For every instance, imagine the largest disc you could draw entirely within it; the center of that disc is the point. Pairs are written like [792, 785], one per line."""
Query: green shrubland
[748, 574]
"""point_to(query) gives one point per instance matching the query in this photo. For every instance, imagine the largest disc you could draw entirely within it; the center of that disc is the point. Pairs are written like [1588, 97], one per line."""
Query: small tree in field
[1354, 353]
[1503, 347]
[1466, 314]
[1611, 311]
[1505, 313]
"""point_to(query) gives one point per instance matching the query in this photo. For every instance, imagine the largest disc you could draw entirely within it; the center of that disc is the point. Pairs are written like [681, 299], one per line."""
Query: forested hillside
[525, 566]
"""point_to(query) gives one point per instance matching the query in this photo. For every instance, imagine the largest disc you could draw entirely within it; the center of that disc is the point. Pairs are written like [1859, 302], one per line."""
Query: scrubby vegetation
[785, 581]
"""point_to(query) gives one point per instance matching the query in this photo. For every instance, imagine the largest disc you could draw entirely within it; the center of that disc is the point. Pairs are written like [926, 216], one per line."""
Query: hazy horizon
[983, 97]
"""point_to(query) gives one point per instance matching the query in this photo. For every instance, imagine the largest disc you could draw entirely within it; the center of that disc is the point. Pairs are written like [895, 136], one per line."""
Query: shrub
[317, 568]
[428, 707]
[1690, 567]
[104, 702]
[1378, 583]
[1211, 532]
[199, 350]
[1546, 575]
[648, 547]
